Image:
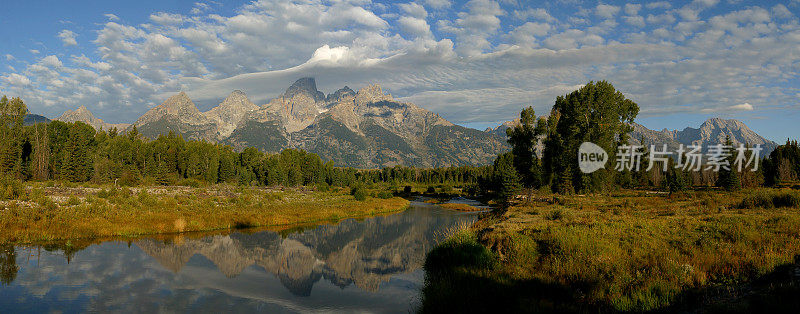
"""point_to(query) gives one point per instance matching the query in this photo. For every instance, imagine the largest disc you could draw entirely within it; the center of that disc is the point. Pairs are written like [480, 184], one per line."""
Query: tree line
[600, 114]
[543, 156]
[76, 152]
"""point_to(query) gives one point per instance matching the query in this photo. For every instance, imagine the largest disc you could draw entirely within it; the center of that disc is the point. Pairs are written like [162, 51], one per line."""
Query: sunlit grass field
[624, 251]
[38, 212]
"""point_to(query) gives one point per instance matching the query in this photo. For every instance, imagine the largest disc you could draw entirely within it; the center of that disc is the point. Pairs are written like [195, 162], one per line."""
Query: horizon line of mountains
[365, 129]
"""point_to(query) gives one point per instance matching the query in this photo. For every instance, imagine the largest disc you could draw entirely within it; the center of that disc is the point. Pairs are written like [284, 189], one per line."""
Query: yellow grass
[58, 214]
[460, 207]
[638, 251]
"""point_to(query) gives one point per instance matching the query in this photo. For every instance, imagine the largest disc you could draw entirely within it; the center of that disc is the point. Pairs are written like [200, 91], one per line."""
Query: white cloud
[744, 106]
[479, 65]
[658, 5]
[781, 11]
[438, 4]
[163, 18]
[111, 17]
[705, 3]
[538, 13]
[606, 11]
[16, 79]
[68, 37]
[474, 26]
[665, 18]
[200, 7]
[414, 10]
[634, 20]
[51, 61]
[34, 51]
[415, 26]
[632, 9]
[525, 34]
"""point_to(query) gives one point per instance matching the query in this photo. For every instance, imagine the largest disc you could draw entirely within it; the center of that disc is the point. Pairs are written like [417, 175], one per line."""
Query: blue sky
[476, 62]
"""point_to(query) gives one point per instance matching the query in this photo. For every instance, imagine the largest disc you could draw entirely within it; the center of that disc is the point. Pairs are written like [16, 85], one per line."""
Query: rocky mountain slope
[712, 131]
[84, 115]
[367, 128]
[31, 119]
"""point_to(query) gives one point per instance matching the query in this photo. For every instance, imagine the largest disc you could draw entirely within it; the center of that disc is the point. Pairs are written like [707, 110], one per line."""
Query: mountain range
[712, 131]
[367, 128]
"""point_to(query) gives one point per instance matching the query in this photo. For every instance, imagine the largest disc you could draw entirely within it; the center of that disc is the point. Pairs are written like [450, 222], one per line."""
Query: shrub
[11, 189]
[407, 189]
[771, 199]
[384, 194]
[190, 182]
[323, 187]
[430, 190]
[360, 194]
[73, 200]
[556, 214]
[787, 199]
[446, 188]
[129, 178]
[461, 249]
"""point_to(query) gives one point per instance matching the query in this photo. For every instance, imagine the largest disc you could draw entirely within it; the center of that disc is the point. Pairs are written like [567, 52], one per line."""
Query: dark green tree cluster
[728, 178]
[524, 138]
[12, 114]
[783, 164]
[596, 113]
[76, 152]
[460, 175]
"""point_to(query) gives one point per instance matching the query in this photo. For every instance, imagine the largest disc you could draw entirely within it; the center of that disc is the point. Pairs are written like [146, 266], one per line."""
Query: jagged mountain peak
[366, 129]
[306, 86]
[83, 114]
[178, 107]
[712, 131]
[371, 94]
[228, 114]
[80, 114]
[340, 95]
[238, 100]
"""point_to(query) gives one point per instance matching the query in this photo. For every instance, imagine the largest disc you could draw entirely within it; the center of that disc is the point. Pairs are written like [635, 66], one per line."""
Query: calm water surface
[372, 265]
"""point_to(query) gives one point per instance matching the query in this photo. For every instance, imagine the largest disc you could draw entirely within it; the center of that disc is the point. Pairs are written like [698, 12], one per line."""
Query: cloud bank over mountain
[473, 62]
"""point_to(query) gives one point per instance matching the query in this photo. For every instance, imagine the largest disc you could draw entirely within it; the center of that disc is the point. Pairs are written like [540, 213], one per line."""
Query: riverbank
[38, 212]
[627, 251]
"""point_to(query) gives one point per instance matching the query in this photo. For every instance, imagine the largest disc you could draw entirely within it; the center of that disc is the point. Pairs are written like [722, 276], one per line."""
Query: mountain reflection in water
[373, 264]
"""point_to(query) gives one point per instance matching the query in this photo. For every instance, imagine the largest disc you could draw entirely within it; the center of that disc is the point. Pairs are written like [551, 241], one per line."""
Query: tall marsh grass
[627, 253]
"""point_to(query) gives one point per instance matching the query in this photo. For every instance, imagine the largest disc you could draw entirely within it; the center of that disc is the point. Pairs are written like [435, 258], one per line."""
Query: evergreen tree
[505, 176]
[12, 115]
[523, 139]
[729, 178]
[676, 182]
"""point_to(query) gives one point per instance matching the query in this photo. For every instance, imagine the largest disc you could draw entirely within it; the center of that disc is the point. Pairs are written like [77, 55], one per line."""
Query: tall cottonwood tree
[596, 113]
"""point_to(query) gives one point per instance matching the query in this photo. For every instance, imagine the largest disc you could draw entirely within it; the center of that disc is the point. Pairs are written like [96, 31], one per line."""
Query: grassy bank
[629, 251]
[33, 212]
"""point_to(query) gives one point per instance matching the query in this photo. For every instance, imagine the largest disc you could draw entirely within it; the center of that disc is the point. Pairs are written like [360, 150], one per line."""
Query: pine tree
[505, 176]
[523, 139]
[676, 182]
[729, 178]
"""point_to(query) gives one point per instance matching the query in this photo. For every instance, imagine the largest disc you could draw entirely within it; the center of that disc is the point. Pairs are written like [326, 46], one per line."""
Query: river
[367, 265]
